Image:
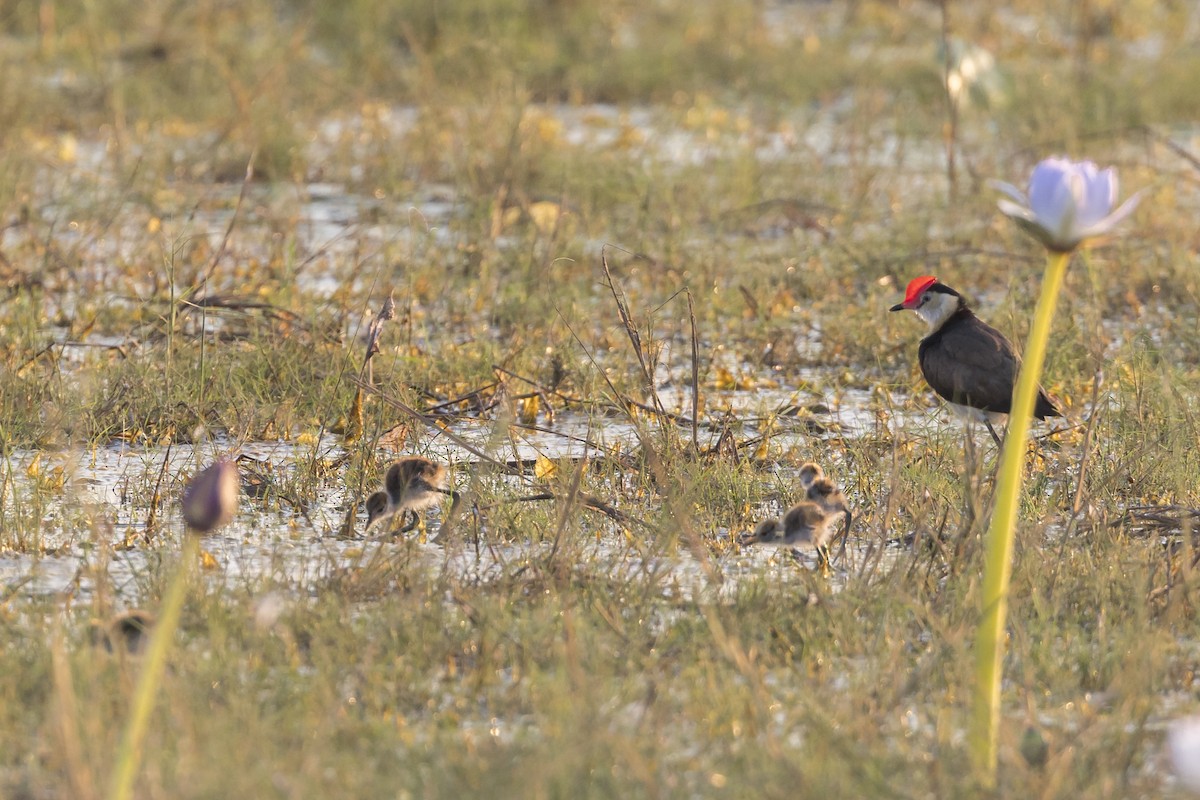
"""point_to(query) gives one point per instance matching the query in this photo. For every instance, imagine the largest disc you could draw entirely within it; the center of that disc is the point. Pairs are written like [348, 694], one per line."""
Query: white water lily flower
[1183, 743]
[1068, 203]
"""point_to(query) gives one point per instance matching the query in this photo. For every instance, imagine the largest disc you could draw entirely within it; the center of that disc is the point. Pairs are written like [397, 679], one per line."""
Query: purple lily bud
[210, 500]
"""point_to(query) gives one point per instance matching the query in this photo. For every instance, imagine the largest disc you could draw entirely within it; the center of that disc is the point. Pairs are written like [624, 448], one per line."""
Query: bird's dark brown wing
[969, 362]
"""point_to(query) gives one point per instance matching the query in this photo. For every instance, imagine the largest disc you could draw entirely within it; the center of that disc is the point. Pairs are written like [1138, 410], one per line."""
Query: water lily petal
[1015, 210]
[1029, 223]
[1047, 239]
[1016, 194]
[1101, 194]
[1046, 185]
[1053, 189]
[1107, 224]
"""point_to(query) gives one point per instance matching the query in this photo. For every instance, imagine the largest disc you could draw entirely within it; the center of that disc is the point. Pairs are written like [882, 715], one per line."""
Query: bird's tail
[1045, 407]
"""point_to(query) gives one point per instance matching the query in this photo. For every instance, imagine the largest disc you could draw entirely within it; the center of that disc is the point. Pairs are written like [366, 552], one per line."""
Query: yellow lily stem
[989, 640]
[153, 664]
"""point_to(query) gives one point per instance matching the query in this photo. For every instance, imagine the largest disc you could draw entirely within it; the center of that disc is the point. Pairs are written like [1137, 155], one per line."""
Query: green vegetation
[786, 165]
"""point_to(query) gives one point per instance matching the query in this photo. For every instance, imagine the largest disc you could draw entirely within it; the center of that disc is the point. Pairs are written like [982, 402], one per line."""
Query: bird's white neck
[937, 309]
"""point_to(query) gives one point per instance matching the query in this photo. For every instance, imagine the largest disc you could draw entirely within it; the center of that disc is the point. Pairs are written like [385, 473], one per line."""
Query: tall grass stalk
[989, 649]
[129, 754]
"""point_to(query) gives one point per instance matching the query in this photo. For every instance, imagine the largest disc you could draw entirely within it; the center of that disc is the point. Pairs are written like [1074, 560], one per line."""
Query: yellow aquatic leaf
[508, 218]
[208, 561]
[56, 478]
[543, 467]
[782, 303]
[628, 136]
[68, 148]
[724, 380]
[354, 427]
[545, 215]
[176, 128]
[529, 409]
[548, 129]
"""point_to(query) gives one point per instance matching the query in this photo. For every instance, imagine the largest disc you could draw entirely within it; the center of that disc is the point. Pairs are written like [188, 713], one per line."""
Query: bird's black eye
[925, 298]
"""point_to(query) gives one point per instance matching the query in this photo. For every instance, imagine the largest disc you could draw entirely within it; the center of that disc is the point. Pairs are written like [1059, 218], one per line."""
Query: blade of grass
[130, 750]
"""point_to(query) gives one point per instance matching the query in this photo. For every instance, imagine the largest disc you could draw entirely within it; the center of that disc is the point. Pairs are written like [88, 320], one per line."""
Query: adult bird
[967, 362]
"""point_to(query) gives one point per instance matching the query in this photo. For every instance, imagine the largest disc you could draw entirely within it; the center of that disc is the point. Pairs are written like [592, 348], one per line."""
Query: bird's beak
[897, 307]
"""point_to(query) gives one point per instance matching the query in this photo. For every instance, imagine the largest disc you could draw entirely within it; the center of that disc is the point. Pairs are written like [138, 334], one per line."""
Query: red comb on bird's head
[917, 287]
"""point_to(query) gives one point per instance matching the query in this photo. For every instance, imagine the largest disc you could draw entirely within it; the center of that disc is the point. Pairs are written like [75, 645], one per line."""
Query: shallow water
[270, 543]
[340, 223]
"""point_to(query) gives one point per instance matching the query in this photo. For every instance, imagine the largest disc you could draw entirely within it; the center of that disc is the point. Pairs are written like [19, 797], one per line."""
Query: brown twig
[386, 312]
[568, 501]
[1170, 144]
[631, 331]
[224, 246]
[951, 103]
[234, 302]
[588, 501]
[432, 423]
[695, 372]
[1086, 446]
[156, 498]
[1170, 516]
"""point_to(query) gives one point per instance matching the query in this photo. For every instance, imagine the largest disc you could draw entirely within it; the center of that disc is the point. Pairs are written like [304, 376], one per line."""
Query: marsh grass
[781, 166]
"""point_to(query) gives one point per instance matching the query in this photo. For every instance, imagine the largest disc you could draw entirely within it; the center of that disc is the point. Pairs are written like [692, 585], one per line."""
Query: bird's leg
[823, 560]
[415, 519]
[971, 470]
[992, 431]
[845, 536]
[449, 518]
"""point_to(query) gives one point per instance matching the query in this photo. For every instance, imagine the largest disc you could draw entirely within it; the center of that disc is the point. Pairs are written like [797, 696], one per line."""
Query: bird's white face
[936, 307]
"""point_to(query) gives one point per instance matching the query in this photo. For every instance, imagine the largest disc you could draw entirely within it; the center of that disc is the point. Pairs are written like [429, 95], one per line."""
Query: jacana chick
[410, 485]
[822, 491]
[805, 524]
[127, 632]
[377, 507]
